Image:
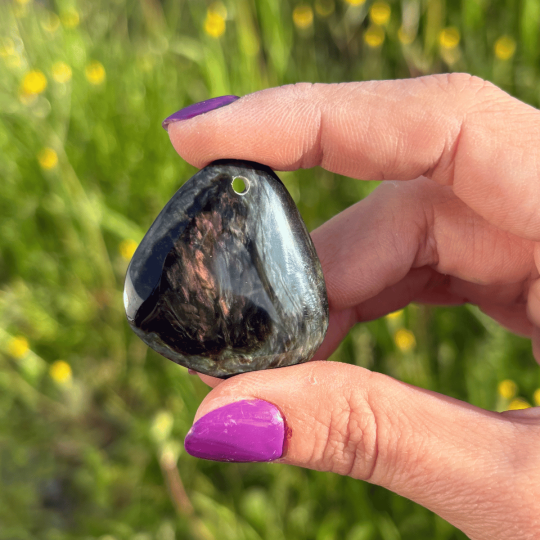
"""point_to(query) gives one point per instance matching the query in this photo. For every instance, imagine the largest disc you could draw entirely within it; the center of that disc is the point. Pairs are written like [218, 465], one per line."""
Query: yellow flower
[355, 2]
[18, 346]
[374, 36]
[70, 18]
[95, 72]
[7, 47]
[60, 372]
[214, 24]
[302, 16]
[405, 37]
[405, 340]
[395, 315]
[34, 82]
[162, 426]
[536, 397]
[379, 13]
[449, 38]
[505, 47]
[324, 8]
[47, 158]
[61, 72]
[127, 249]
[517, 404]
[507, 389]
[50, 22]
[23, 2]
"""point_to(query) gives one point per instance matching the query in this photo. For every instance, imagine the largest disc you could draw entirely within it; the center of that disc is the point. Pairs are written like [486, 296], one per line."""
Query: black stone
[226, 282]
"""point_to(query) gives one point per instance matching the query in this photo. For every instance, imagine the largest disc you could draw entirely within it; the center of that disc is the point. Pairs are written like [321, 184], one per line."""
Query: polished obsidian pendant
[227, 280]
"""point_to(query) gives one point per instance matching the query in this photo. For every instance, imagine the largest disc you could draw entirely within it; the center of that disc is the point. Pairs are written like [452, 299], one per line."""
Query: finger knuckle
[460, 82]
[347, 440]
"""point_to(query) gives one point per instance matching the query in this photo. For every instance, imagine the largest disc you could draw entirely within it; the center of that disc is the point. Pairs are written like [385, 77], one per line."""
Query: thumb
[442, 453]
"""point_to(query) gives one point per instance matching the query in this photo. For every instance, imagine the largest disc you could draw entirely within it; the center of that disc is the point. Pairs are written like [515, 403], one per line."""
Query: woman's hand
[463, 228]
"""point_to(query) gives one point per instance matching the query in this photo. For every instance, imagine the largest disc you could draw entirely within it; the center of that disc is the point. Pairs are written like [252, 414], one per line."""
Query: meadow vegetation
[92, 422]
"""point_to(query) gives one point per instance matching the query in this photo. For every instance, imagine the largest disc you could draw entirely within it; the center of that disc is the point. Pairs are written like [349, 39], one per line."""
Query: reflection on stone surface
[227, 282]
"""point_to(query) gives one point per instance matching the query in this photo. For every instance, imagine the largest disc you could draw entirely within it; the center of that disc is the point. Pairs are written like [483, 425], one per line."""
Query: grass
[92, 421]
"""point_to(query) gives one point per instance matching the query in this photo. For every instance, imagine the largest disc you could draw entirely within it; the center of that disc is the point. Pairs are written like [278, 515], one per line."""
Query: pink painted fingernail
[198, 108]
[243, 431]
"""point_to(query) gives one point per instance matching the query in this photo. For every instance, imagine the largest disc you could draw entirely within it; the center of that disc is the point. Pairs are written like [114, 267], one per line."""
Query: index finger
[455, 129]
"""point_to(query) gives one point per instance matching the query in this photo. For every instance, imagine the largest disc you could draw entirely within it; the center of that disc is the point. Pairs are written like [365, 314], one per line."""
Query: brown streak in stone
[224, 307]
[205, 277]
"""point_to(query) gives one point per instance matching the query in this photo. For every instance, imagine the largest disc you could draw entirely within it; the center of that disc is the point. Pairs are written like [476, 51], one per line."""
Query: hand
[463, 228]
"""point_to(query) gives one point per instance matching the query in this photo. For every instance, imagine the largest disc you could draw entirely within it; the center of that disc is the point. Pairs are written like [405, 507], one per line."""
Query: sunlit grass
[92, 423]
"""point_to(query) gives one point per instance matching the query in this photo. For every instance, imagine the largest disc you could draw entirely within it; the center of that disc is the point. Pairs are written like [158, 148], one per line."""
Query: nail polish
[243, 431]
[198, 108]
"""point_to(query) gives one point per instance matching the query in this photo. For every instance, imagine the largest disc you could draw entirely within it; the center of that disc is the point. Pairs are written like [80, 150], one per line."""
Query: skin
[456, 222]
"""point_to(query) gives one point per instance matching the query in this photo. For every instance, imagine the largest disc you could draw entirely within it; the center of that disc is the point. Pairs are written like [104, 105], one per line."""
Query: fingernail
[198, 108]
[243, 431]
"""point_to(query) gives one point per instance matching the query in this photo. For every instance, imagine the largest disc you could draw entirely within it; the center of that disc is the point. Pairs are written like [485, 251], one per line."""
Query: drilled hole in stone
[240, 185]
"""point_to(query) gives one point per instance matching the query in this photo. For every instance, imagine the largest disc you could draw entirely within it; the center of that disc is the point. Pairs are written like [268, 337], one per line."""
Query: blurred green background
[92, 422]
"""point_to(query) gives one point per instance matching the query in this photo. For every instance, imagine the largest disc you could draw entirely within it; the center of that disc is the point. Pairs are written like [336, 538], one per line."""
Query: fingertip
[278, 127]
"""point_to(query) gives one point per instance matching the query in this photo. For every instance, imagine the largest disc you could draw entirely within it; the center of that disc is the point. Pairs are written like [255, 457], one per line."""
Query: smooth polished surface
[243, 431]
[227, 282]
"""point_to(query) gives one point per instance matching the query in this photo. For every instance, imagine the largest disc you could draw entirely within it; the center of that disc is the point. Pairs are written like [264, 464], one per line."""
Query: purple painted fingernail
[242, 431]
[198, 108]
